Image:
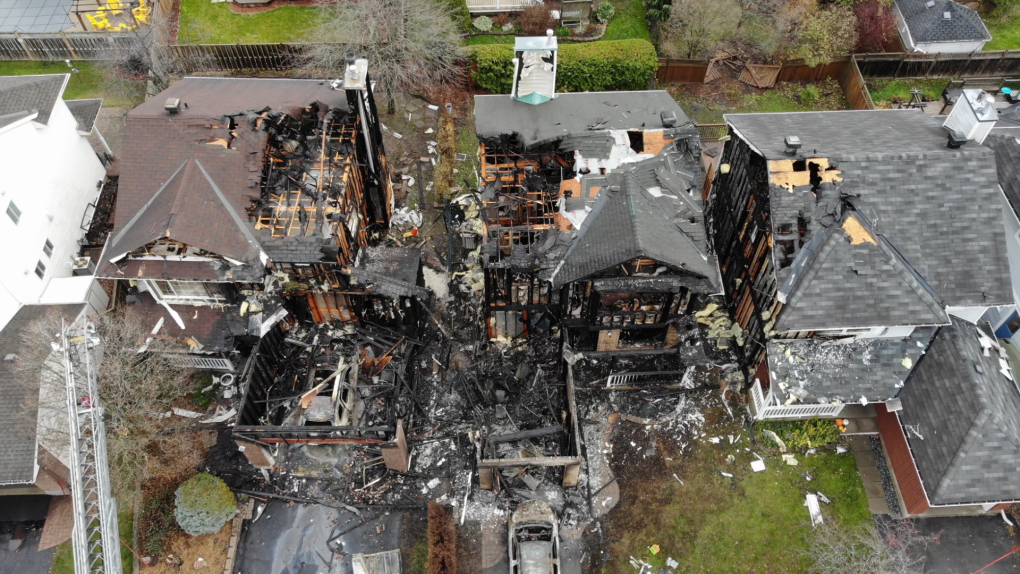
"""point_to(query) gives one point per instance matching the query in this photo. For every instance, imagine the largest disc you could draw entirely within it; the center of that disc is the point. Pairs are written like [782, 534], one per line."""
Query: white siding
[1012, 225]
[51, 174]
[951, 47]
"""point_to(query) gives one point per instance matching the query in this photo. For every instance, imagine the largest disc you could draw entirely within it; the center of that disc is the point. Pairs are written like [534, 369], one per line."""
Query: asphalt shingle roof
[885, 291]
[930, 24]
[844, 370]
[968, 414]
[573, 113]
[85, 112]
[157, 144]
[646, 210]
[1007, 162]
[19, 390]
[24, 93]
[937, 207]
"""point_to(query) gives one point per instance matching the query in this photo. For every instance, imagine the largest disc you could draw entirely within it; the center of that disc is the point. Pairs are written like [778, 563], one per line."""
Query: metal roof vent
[956, 139]
[668, 118]
[947, 15]
[792, 144]
[172, 105]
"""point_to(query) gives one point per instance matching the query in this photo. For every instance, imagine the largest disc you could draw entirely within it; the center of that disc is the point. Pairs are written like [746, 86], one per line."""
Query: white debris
[811, 502]
[406, 215]
[672, 563]
[726, 474]
[788, 459]
[186, 413]
[823, 498]
[757, 465]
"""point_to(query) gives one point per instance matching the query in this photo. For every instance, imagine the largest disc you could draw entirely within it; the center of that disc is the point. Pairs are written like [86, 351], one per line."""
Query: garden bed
[886, 93]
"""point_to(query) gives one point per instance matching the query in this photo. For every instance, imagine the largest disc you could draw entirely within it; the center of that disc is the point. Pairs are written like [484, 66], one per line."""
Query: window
[13, 212]
[186, 292]
[47, 248]
[40, 269]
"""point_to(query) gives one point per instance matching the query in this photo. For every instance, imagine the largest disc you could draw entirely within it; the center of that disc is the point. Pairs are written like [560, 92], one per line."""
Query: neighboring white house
[932, 26]
[50, 181]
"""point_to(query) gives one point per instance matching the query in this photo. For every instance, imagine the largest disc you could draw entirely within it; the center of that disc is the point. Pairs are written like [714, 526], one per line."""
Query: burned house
[244, 200]
[859, 252]
[591, 209]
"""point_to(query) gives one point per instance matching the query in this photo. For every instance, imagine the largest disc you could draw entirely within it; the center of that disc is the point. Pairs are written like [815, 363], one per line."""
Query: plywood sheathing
[655, 140]
[857, 233]
[782, 174]
[572, 185]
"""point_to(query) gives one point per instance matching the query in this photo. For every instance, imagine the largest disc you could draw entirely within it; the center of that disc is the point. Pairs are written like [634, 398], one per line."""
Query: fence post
[67, 44]
[21, 42]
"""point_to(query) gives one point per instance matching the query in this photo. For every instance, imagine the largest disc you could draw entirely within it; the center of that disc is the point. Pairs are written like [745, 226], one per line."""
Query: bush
[203, 504]
[536, 19]
[810, 94]
[605, 11]
[589, 67]
[156, 524]
[798, 434]
[459, 14]
[200, 397]
[876, 25]
[501, 20]
[442, 542]
[563, 32]
[591, 29]
[483, 23]
[697, 27]
[831, 32]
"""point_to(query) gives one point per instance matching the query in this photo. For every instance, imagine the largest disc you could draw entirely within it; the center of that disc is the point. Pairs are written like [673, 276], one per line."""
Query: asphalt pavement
[967, 544]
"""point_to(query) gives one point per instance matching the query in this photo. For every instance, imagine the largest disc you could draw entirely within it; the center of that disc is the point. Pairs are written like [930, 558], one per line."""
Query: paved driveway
[969, 543]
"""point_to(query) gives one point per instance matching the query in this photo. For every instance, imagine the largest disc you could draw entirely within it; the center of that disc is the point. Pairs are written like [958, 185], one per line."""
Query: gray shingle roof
[844, 370]
[885, 291]
[930, 24]
[391, 271]
[1007, 163]
[646, 210]
[24, 93]
[85, 112]
[573, 113]
[970, 421]
[937, 207]
[19, 391]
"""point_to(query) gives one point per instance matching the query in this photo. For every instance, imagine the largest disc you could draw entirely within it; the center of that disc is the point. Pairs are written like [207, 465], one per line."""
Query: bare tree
[891, 547]
[409, 44]
[696, 27]
[145, 54]
[136, 389]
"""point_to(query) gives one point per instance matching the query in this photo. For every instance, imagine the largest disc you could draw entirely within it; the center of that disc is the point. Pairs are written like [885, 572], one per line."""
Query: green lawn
[91, 81]
[63, 563]
[203, 22]
[1004, 36]
[784, 97]
[884, 91]
[629, 22]
[752, 522]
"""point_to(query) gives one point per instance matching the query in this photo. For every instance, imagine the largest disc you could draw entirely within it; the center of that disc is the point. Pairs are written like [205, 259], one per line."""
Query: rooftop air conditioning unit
[82, 266]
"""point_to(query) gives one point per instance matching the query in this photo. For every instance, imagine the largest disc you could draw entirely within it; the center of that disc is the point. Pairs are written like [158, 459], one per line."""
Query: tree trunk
[391, 102]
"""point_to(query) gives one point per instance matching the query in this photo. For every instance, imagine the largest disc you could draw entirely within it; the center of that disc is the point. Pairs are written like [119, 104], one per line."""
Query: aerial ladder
[95, 536]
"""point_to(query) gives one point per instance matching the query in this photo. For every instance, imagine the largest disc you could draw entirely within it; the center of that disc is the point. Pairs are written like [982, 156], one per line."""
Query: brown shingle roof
[157, 145]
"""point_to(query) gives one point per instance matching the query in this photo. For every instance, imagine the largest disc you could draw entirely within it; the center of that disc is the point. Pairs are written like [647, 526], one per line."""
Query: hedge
[587, 67]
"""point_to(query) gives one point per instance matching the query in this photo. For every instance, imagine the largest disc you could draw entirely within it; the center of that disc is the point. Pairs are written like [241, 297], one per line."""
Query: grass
[90, 82]
[629, 22]
[203, 22]
[752, 522]
[1005, 36]
[420, 557]
[63, 562]
[884, 91]
[784, 97]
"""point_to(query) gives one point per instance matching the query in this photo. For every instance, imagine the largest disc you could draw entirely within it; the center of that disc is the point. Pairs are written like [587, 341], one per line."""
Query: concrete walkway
[868, 469]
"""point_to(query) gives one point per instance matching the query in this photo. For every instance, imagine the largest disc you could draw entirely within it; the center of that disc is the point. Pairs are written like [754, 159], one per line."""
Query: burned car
[534, 539]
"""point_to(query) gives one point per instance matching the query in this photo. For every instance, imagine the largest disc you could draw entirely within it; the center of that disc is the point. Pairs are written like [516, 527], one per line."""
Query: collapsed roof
[20, 96]
[190, 176]
[926, 226]
[574, 114]
[826, 371]
[928, 22]
[961, 416]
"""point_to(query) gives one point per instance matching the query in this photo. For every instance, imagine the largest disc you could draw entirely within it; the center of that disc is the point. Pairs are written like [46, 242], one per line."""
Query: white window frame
[183, 292]
[48, 249]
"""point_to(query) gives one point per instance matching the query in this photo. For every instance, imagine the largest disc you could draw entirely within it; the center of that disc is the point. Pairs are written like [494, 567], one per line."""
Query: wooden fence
[681, 71]
[87, 46]
[975, 65]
